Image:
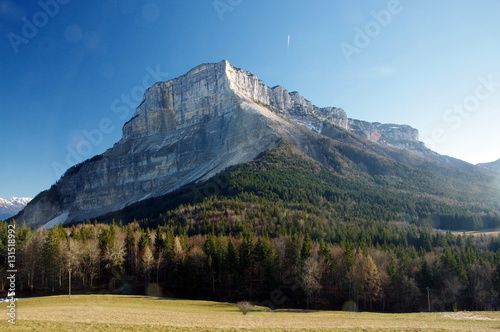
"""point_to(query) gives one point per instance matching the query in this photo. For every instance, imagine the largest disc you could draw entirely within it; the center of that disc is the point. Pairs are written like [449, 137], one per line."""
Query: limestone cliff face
[186, 130]
[298, 109]
[202, 94]
[401, 136]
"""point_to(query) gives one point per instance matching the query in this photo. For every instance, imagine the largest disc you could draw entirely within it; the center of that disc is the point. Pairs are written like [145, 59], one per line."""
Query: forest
[382, 267]
[284, 231]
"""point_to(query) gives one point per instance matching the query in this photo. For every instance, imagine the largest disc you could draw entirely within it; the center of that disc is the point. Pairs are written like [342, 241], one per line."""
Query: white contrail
[288, 42]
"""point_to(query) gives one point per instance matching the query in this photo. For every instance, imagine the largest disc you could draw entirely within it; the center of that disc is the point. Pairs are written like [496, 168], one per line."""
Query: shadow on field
[201, 303]
[232, 307]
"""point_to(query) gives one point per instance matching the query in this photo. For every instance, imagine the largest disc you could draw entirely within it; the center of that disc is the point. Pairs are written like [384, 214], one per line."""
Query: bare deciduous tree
[311, 277]
[70, 257]
[90, 259]
[178, 251]
[114, 254]
[147, 261]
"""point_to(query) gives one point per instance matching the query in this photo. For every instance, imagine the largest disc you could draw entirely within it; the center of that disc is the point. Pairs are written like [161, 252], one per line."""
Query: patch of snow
[56, 221]
[309, 125]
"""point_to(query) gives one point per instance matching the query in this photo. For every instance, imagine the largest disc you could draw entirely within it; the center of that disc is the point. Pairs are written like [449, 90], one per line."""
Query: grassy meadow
[141, 313]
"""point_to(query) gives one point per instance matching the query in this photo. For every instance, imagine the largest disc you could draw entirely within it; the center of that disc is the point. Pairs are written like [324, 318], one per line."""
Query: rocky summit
[190, 128]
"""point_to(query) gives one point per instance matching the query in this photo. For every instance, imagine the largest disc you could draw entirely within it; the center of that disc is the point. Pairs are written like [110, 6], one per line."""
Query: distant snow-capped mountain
[11, 206]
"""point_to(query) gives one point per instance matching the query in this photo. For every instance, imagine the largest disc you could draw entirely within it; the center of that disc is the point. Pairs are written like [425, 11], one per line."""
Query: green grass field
[141, 313]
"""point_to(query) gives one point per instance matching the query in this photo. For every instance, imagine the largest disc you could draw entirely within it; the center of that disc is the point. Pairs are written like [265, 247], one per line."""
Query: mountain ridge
[191, 128]
[336, 189]
[492, 166]
[10, 207]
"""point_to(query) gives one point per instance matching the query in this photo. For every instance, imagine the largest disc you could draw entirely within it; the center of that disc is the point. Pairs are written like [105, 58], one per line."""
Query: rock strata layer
[189, 129]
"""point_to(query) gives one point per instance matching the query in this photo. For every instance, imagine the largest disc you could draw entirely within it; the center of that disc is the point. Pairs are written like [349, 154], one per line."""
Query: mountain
[218, 117]
[11, 206]
[493, 166]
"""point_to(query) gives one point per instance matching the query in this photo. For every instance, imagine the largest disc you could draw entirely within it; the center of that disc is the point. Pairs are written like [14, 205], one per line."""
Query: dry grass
[140, 313]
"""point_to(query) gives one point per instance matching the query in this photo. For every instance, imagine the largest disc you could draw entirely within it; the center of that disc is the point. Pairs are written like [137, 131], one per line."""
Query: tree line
[367, 268]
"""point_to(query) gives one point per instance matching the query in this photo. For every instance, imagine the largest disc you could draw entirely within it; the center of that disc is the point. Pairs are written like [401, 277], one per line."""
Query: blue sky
[68, 66]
